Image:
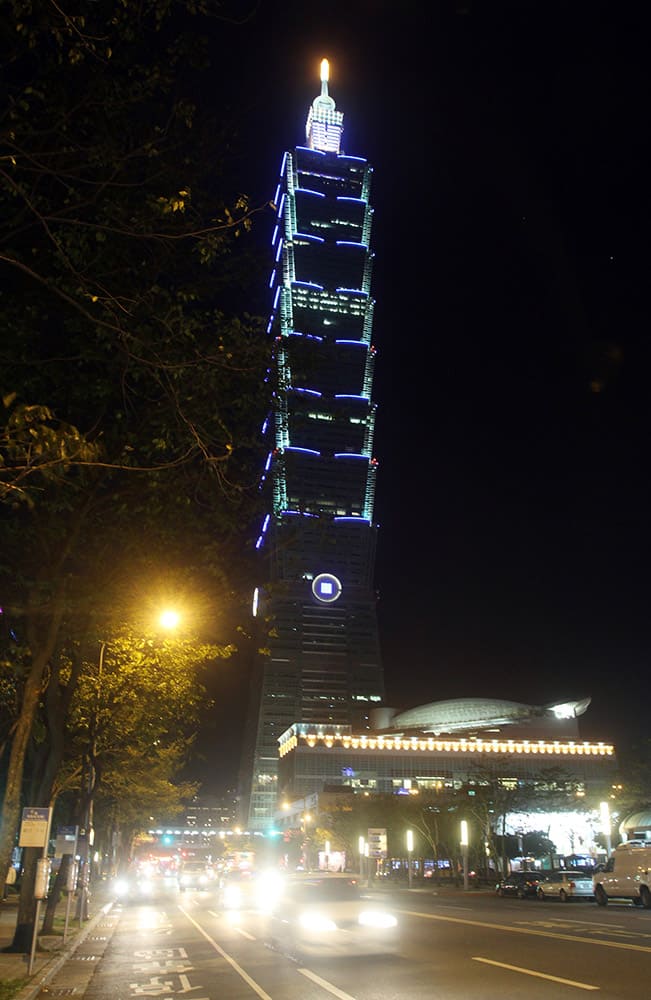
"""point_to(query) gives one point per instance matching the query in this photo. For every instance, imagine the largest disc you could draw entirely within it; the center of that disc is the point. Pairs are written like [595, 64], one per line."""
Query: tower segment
[319, 536]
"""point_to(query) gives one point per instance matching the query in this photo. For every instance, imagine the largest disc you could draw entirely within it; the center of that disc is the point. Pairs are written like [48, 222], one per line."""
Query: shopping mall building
[449, 745]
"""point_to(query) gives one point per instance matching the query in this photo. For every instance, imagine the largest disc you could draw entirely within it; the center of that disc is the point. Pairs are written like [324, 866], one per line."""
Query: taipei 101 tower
[318, 538]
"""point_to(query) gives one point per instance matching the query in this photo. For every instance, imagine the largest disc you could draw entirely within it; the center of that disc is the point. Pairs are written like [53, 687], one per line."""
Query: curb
[50, 969]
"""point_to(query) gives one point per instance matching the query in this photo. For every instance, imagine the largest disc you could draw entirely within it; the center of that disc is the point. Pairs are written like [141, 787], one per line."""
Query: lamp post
[87, 832]
[327, 855]
[361, 845]
[606, 829]
[410, 848]
[464, 852]
[306, 841]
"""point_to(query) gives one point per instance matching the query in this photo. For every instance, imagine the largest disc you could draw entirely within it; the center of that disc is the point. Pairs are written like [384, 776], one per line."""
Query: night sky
[511, 196]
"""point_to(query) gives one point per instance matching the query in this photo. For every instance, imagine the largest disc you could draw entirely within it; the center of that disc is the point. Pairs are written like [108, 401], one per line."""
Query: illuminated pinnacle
[324, 123]
[325, 76]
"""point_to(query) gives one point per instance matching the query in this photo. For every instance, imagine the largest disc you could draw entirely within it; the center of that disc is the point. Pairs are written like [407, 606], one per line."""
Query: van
[627, 875]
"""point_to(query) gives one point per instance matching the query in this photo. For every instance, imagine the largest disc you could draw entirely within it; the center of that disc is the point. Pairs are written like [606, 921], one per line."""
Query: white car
[194, 875]
[566, 886]
[327, 916]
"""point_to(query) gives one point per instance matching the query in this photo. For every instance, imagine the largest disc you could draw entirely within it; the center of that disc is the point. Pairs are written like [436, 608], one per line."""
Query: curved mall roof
[459, 714]
[636, 821]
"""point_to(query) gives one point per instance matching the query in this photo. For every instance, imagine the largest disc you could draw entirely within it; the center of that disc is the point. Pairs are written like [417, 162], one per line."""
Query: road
[453, 947]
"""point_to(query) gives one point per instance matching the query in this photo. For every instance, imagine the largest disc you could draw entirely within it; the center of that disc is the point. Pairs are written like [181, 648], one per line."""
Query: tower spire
[325, 74]
[324, 125]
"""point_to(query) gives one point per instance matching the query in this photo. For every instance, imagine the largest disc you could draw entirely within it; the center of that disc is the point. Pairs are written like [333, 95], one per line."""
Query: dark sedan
[520, 884]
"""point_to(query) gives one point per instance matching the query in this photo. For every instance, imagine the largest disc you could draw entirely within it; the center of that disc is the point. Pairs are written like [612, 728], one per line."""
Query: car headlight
[269, 890]
[145, 887]
[377, 918]
[232, 895]
[316, 922]
[122, 887]
[203, 879]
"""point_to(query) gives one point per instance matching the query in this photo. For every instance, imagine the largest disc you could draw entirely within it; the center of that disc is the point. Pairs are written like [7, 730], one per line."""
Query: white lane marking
[573, 938]
[240, 930]
[325, 984]
[538, 975]
[231, 961]
[616, 930]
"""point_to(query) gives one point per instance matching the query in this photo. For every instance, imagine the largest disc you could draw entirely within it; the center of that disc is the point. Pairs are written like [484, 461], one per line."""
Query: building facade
[446, 744]
[313, 758]
[318, 539]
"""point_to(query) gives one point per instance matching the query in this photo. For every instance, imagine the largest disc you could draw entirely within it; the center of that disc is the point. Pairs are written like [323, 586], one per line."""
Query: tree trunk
[55, 894]
[24, 932]
[41, 653]
[12, 799]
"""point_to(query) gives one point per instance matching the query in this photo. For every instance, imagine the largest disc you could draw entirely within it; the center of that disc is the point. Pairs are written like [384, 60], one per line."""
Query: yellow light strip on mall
[398, 744]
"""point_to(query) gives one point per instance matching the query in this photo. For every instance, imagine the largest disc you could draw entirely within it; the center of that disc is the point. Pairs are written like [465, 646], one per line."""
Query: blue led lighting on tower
[319, 542]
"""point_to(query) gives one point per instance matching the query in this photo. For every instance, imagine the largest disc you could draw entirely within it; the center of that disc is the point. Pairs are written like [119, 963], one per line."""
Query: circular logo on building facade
[326, 588]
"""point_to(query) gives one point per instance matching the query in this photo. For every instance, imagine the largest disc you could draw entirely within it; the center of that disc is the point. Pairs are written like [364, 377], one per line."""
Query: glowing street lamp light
[606, 829]
[464, 852]
[410, 848]
[169, 619]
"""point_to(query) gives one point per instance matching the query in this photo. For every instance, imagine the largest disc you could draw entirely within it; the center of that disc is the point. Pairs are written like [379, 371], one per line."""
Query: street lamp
[169, 619]
[410, 848]
[606, 829]
[464, 852]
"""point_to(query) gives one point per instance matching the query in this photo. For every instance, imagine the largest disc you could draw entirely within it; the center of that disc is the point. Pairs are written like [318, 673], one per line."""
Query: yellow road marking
[538, 975]
[526, 930]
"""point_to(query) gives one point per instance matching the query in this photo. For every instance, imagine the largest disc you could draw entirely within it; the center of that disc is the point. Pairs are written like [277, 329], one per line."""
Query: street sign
[377, 842]
[35, 827]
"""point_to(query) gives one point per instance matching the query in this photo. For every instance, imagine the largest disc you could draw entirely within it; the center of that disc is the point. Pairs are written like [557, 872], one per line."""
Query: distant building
[212, 811]
[205, 815]
[319, 536]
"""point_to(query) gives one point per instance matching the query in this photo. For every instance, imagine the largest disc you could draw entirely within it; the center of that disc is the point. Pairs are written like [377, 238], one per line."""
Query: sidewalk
[51, 952]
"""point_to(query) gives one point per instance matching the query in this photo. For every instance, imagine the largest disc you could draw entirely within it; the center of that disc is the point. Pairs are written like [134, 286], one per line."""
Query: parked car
[520, 884]
[566, 885]
[626, 875]
[329, 916]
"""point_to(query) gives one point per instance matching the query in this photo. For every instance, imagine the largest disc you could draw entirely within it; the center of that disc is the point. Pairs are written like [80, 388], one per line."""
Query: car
[140, 887]
[238, 889]
[566, 885]
[626, 875]
[194, 875]
[330, 915]
[520, 884]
